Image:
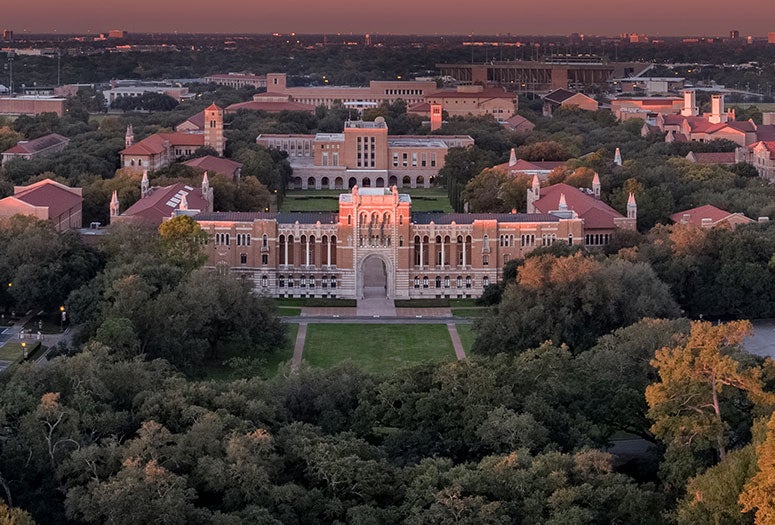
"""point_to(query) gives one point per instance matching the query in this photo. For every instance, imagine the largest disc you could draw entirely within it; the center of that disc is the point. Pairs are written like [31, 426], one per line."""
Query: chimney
[513, 158]
[685, 218]
[690, 108]
[114, 205]
[145, 186]
[717, 113]
[707, 222]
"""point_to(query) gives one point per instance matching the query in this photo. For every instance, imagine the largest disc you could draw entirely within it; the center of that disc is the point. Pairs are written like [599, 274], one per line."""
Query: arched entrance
[374, 278]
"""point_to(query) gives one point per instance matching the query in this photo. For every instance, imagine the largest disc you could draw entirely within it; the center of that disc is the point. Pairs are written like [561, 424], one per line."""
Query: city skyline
[602, 17]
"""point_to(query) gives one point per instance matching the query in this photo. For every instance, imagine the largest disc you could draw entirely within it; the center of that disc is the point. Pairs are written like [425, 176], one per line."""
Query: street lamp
[24, 349]
[63, 318]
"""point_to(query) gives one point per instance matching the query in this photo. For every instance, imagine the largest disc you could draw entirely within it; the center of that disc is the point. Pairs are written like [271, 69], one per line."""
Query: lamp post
[24, 349]
[62, 318]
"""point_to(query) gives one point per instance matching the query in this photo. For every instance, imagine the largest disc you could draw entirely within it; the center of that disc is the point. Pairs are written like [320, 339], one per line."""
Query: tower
[435, 116]
[214, 128]
[690, 108]
[563, 204]
[596, 185]
[114, 205]
[632, 208]
[617, 157]
[129, 138]
[533, 194]
[717, 113]
[183, 202]
[145, 186]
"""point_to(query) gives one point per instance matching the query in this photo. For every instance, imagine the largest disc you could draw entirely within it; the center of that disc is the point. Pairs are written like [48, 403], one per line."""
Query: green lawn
[467, 336]
[222, 371]
[472, 313]
[288, 311]
[11, 352]
[378, 349]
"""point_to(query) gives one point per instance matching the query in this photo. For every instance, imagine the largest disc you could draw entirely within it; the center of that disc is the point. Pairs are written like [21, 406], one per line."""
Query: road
[762, 342]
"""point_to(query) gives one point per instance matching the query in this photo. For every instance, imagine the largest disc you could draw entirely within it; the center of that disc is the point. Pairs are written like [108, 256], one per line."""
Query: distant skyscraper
[367, 41]
[734, 34]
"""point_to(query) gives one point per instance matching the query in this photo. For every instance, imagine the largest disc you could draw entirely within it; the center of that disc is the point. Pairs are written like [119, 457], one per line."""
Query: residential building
[709, 216]
[364, 155]
[162, 149]
[375, 245]
[40, 147]
[46, 200]
[564, 98]
[600, 219]
[158, 203]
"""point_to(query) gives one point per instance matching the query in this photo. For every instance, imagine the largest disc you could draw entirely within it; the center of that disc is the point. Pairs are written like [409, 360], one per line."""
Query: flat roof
[399, 142]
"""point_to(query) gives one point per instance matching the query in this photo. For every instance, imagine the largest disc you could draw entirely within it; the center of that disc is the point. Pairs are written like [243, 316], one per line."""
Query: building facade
[376, 246]
[364, 155]
[46, 200]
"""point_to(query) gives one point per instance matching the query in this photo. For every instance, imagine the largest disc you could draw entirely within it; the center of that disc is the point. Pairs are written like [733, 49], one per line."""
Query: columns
[328, 251]
[464, 252]
[286, 250]
[307, 251]
[442, 252]
[421, 253]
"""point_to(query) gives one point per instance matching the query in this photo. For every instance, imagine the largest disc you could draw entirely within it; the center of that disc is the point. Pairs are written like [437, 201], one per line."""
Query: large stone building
[162, 149]
[376, 246]
[158, 203]
[476, 100]
[364, 155]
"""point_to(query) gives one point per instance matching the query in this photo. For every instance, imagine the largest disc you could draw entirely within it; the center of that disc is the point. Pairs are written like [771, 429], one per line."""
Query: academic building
[375, 246]
[364, 155]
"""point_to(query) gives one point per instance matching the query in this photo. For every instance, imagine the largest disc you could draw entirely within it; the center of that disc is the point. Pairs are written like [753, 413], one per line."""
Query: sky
[518, 17]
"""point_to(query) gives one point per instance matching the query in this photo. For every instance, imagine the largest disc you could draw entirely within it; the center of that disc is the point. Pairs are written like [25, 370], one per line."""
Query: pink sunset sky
[656, 17]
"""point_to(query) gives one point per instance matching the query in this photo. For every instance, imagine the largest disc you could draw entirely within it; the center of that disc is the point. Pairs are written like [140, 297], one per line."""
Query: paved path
[456, 343]
[12, 334]
[298, 349]
[350, 312]
[374, 320]
[376, 307]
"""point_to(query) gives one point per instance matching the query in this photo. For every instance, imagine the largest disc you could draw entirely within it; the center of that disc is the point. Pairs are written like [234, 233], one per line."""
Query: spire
[513, 158]
[205, 185]
[596, 185]
[563, 206]
[632, 207]
[114, 205]
[618, 157]
[536, 185]
[129, 138]
[145, 186]
[533, 194]
[183, 202]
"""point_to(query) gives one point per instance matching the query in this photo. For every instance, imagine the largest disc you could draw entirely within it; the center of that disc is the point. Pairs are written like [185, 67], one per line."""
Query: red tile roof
[33, 146]
[163, 201]
[155, 144]
[215, 165]
[596, 213]
[696, 215]
[58, 198]
[488, 93]
[527, 166]
[727, 157]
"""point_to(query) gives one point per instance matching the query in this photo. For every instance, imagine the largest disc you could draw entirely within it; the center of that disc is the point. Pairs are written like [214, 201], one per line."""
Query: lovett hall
[376, 246]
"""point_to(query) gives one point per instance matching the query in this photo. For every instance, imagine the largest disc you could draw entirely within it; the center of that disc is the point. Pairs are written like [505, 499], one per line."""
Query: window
[264, 259]
[433, 160]
[485, 260]
[311, 281]
[401, 240]
[264, 281]
[468, 281]
[446, 281]
[404, 159]
[438, 282]
[395, 160]
[459, 281]
[416, 281]
[506, 258]
[243, 258]
[414, 160]
[264, 241]
[281, 281]
[333, 282]
[425, 282]
[303, 281]
[290, 281]
[485, 281]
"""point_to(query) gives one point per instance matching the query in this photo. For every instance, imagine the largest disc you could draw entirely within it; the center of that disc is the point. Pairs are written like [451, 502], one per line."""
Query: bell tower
[214, 128]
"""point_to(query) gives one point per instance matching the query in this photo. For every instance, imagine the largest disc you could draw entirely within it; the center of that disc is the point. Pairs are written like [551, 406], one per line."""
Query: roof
[155, 144]
[696, 215]
[31, 147]
[163, 201]
[518, 122]
[57, 197]
[235, 216]
[215, 164]
[559, 95]
[596, 213]
[526, 166]
[727, 157]
[236, 76]
[271, 107]
[311, 217]
[197, 119]
[470, 218]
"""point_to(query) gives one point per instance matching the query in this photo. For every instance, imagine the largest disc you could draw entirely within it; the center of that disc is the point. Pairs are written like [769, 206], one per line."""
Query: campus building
[236, 80]
[375, 246]
[46, 200]
[162, 149]
[364, 155]
[35, 148]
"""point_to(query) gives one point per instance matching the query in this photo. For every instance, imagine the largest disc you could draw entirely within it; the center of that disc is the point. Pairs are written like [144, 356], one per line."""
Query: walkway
[298, 349]
[456, 343]
[379, 309]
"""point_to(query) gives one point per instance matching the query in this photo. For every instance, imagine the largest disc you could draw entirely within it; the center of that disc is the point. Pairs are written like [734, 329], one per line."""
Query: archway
[366, 182]
[374, 278]
[352, 182]
[393, 181]
[311, 183]
[324, 183]
[379, 183]
[297, 183]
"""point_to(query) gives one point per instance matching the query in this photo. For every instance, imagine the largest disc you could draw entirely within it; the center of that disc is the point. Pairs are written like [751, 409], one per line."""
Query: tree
[181, 241]
[460, 166]
[493, 191]
[759, 493]
[14, 516]
[694, 402]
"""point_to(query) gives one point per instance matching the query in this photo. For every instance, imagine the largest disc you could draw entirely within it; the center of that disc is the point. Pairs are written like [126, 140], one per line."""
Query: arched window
[264, 241]
[264, 281]
[485, 281]
[438, 281]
